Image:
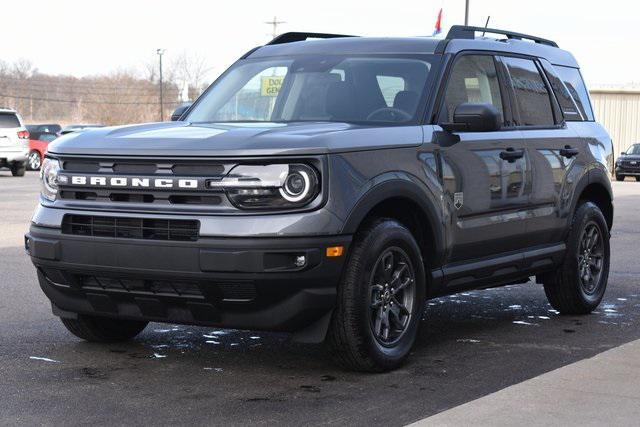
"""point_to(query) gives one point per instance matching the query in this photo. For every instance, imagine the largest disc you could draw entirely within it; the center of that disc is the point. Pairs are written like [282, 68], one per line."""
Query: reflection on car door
[553, 148]
[486, 175]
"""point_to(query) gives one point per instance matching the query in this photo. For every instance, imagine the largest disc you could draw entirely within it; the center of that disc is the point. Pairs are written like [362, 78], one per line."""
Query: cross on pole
[274, 23]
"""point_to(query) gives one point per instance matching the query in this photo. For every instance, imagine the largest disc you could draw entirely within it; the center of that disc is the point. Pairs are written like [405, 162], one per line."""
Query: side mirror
[178, 112]
[469, 117]
[623, 153]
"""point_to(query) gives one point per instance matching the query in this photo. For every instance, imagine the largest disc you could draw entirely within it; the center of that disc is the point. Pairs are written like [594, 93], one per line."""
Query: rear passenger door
[552, 147]
[487, 192]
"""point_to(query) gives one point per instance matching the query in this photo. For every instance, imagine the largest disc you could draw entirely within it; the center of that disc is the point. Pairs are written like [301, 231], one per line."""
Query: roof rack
[465, 32]
[300, 37]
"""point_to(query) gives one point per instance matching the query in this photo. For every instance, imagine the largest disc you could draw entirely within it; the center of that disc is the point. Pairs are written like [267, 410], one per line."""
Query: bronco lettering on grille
[120, 181]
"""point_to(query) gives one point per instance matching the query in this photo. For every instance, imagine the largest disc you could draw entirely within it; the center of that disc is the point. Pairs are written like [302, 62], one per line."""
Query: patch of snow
[522, 322]
[44, 359]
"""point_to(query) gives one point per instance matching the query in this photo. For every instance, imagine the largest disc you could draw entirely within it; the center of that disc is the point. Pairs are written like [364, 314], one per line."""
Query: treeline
[117, 98]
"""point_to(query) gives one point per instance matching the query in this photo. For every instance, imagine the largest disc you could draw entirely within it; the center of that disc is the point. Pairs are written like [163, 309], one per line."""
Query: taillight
[23, 134]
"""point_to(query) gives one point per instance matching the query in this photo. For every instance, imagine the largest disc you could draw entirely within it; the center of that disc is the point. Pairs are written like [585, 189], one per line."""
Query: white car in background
[14, 142]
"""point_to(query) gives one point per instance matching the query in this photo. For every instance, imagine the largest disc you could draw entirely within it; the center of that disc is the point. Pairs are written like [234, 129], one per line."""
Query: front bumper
[628, 170]
[243, 283]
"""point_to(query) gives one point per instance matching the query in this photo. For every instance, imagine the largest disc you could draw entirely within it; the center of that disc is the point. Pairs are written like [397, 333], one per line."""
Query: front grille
[218, 290]
[141, 286]
[131, 228]
[141, 197]
[630, 165]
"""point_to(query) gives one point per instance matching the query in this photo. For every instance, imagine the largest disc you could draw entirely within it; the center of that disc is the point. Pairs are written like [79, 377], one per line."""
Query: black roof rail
[300, 37]
[465, 32]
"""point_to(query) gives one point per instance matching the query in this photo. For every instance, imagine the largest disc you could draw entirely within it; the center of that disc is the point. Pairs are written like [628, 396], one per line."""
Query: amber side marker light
[335, 251]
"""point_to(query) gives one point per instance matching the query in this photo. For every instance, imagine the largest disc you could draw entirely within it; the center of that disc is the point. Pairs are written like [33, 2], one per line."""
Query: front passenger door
[486, 175]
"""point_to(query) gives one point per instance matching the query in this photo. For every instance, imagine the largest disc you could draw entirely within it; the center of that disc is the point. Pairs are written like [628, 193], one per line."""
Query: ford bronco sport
[328, 188]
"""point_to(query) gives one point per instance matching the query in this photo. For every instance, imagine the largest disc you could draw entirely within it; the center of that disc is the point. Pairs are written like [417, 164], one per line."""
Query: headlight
[277, 186]
[49, 177]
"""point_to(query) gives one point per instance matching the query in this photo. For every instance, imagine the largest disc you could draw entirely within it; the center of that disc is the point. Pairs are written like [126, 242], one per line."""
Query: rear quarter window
[9, 120]
[573, 80]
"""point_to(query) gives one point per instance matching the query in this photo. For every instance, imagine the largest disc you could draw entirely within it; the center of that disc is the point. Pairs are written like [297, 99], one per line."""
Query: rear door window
[570, 110]
[9, 120]
[533, 99]
[573, 80]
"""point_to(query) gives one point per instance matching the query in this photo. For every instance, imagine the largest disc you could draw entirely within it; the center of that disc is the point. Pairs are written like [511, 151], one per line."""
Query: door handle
[511, 154]
[569, 151]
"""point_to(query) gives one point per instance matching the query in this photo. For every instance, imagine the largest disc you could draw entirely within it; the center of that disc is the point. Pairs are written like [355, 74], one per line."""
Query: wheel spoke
[400, 306]
[396, 318]
[406, 282]
[385, 324]
[594, 240]
[398, 273]
[377, 327]
[387, 266]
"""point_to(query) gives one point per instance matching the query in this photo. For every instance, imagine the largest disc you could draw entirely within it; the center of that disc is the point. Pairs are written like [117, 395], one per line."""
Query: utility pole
[466, 12]
[275, 24]
[160, 52]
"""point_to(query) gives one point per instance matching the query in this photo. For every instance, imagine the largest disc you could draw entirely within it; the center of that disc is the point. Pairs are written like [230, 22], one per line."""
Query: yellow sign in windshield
[270, 85]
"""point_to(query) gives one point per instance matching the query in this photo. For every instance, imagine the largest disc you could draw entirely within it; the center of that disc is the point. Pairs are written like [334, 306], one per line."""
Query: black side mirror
[623, 153]
[178, 112]
[470, 117]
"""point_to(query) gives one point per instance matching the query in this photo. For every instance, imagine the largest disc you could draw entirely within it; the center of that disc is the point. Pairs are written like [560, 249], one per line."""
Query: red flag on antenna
[438, 28]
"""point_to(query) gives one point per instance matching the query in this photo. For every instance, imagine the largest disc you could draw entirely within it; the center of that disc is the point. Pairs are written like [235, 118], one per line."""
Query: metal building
[618, 110]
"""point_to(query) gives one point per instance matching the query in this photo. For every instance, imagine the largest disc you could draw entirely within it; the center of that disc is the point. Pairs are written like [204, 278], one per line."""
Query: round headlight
[49, 176]
[296, 186]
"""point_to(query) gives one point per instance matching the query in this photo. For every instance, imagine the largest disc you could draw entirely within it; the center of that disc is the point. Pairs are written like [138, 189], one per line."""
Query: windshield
[336, 88]
[634, 149]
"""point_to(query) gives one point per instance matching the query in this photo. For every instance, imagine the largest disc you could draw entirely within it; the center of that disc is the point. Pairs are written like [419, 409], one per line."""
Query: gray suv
[328, 188]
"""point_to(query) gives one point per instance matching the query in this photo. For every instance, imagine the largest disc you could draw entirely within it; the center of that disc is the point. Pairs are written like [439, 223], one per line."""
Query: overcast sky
[90, 37]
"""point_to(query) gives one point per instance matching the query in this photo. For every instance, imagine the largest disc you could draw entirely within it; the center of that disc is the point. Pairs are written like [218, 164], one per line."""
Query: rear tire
[380, 299]
[18, 169]
[579, 284]
[34, 161]
[103, 329]
[619, 177]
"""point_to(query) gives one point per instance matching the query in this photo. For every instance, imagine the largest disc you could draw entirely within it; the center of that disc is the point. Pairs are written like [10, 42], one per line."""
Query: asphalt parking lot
[470, 345]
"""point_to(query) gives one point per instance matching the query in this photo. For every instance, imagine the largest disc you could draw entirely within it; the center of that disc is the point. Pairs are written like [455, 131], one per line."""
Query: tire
[620, 177]
[34, 161]
[566, 288]
[18, 169]
[103, 329]
[363, 299]
[637, 178]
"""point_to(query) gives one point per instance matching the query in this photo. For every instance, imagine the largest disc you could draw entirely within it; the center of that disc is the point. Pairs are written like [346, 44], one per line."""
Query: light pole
[160, 52]
[466, 12]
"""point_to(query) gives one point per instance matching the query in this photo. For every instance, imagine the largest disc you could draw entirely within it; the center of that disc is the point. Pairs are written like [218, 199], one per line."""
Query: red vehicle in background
[38, 144]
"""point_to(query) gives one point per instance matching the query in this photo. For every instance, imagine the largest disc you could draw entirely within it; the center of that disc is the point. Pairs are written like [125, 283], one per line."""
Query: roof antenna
[486, 24]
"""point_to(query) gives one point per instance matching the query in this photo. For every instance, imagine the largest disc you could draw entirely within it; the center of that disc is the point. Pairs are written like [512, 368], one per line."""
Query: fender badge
[458, 200]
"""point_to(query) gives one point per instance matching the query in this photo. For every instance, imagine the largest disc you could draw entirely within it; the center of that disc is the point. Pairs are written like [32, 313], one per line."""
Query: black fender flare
[399, 184]
[592, 176]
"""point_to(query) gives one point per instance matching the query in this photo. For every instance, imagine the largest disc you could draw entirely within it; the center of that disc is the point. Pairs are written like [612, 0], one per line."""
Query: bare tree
[191, 70]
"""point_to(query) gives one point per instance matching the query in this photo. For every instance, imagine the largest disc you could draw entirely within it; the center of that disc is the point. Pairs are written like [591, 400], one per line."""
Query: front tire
[637, 178]
[18, 169]
[34, 161]
[103, 329]
[380, 299]
[579, 284]
[620, 177]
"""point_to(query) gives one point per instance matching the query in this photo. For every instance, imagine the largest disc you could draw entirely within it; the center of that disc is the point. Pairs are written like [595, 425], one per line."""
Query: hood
[630, 157]
[243, 139]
